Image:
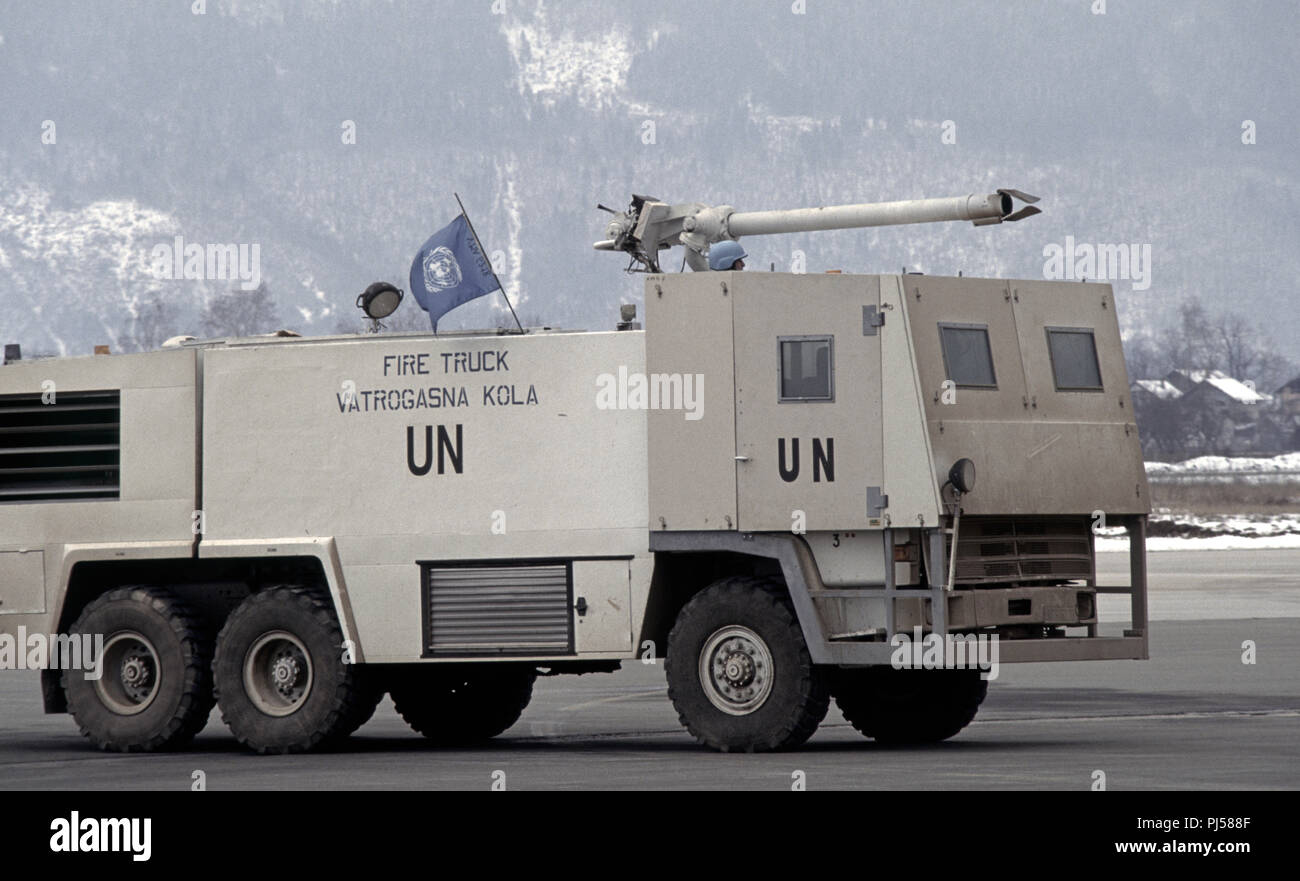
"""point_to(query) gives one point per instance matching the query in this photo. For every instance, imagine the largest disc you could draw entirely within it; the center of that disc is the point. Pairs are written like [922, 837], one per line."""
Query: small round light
[379, 300]
[962, 475]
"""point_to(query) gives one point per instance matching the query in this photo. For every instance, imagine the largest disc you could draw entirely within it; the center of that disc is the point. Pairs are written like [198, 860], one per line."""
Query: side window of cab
[1073, 351]
[967, 358]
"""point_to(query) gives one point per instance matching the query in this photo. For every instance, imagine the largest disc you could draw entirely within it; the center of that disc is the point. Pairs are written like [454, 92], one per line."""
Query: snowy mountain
[333, 135]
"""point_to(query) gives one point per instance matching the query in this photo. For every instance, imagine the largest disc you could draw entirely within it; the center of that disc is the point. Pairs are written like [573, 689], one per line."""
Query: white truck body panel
[291, 449]
[406, 464]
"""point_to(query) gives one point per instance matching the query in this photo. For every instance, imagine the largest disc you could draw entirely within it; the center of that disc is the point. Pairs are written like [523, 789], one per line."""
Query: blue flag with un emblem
[449, 270]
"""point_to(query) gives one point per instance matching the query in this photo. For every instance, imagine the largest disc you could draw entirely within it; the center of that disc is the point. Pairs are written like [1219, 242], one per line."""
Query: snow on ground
[1286, 462]
[1191, 533]
[1205, 543]
[1170, 530]
[1247, 525]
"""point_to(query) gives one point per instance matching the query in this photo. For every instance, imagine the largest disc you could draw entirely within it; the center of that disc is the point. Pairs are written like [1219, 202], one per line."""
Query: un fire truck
[771, 488]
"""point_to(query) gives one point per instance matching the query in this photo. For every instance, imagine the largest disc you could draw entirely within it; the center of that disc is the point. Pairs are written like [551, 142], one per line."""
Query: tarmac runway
[1193, 717]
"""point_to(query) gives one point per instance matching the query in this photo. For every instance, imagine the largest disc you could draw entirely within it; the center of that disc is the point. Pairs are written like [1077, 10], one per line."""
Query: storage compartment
[22, 582]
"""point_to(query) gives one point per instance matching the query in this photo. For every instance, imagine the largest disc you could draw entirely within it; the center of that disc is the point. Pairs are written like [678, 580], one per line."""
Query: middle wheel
[281, 678]
[739, 672]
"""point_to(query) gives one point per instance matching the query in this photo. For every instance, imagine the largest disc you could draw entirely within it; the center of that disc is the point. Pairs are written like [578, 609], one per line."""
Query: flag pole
[500, 287]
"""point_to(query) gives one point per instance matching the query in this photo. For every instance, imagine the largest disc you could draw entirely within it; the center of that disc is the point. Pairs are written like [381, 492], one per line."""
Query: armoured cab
[833, 412]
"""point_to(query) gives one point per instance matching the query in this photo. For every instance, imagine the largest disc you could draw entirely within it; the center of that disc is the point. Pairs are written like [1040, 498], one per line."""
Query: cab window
[1073, 351]
[967, 358]
[807, 368]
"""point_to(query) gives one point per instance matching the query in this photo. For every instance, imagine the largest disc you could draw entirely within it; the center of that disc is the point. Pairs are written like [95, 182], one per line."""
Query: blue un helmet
[723, 255]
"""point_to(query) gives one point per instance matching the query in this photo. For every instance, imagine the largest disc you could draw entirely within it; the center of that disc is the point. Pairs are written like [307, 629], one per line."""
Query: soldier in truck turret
[726, 256]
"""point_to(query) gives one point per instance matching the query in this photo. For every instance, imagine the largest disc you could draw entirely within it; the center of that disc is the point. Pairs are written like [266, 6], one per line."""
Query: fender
[797, 565]
[323, 549]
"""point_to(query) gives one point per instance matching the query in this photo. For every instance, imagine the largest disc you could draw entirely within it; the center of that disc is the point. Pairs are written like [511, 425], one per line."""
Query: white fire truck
[771, 488]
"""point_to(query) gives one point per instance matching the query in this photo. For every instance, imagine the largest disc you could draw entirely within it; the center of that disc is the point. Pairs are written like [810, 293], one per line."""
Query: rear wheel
[909, 706]
[154, 691]
[282, 679]
[456, 705]
[739, 672]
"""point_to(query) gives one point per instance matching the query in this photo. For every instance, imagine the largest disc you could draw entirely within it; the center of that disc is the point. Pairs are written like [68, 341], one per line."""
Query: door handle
[742, 458]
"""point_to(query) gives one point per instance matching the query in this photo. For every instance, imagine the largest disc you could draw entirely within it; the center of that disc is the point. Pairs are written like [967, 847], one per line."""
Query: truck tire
[463, 705]
[368, 696]
[901, 707]
[155, 688]
[282, 682]
[739, 672]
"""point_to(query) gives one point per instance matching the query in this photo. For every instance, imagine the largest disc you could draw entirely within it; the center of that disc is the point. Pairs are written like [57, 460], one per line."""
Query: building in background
[1191, 412]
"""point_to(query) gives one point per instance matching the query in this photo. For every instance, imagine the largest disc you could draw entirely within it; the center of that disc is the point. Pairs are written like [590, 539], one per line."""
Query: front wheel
[739, 672]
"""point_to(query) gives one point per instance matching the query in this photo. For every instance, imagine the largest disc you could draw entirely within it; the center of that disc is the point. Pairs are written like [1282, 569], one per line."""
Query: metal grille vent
[66, 449]
[1023, 549]
[513, 609]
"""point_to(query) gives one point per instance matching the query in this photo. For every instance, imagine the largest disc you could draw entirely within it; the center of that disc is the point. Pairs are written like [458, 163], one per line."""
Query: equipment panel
[692, 447]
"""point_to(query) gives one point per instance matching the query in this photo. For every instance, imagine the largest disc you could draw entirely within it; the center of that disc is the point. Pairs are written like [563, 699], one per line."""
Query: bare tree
[239, 313]
[1227, 342]
[1238, 344]
[1273, 371]
[1144, 359]
[1191, 341]
[155, 321]
[1199, 340]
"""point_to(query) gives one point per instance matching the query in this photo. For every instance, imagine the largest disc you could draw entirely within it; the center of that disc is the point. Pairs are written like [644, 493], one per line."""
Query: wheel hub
[131, 669]
[285, 672]
[277, 673]
[137, 675]
[736, 670]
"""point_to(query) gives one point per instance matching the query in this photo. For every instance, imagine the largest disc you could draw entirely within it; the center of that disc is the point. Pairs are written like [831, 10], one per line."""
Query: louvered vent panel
[66, 449]
[522, 609]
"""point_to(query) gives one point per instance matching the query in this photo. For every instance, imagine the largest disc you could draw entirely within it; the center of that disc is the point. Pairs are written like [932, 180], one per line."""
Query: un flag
[450, 269]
